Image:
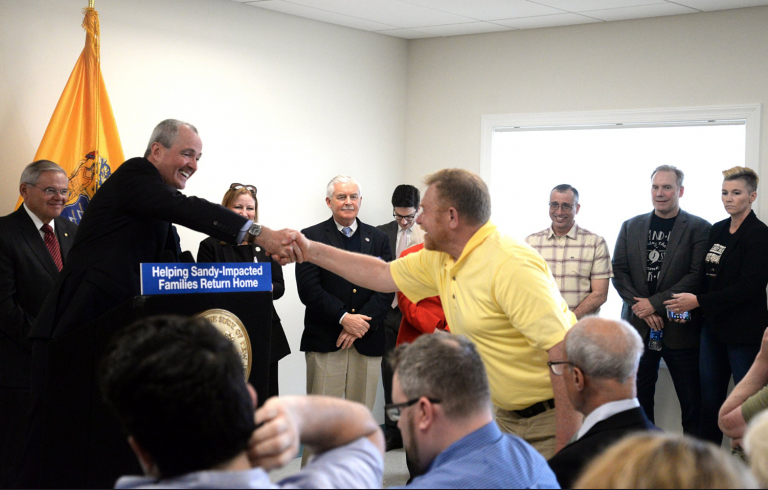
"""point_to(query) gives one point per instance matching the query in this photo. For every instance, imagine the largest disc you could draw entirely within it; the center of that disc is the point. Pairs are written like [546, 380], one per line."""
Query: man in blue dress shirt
[177, 387]
[442, 402]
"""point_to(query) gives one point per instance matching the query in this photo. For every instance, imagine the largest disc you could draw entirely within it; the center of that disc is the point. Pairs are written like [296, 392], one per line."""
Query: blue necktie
[347, 231]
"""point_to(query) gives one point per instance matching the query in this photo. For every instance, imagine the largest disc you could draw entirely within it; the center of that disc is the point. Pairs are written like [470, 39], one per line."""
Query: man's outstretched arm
[365, 271]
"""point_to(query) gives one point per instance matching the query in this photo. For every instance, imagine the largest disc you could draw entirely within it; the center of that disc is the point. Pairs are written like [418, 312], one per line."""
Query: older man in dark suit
[657, 255]
[343, 336]
[34, 243]
[128, 222]
[601, 360]
[403, 233]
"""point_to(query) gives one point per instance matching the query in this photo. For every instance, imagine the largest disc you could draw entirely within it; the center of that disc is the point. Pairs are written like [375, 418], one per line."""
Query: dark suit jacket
[737, 302]
[391, 230]
[127, 222]
[325, 294]
[212, 250]
[573, 459]
[680, 273]
[27, 274]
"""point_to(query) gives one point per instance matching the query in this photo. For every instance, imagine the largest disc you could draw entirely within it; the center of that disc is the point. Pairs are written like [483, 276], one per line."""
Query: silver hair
[609, 357]
[342, 179]
[679, 175]
[166, 133]
[31, 173]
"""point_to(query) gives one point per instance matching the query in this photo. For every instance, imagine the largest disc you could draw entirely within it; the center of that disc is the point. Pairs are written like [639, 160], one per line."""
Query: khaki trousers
[342, 374]
[539, 431]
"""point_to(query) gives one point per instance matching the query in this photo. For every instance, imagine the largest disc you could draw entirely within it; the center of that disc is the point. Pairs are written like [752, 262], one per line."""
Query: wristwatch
[255, 230]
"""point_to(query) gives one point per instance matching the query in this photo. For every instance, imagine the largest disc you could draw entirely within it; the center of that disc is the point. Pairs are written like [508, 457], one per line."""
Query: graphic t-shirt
[658, 238]
[712, 260]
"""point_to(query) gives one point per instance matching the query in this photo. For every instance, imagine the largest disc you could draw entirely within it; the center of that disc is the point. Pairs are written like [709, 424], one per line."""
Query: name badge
[181, 278]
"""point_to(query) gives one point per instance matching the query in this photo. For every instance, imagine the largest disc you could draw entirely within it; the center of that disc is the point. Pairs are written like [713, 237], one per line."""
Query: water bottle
[655, 342]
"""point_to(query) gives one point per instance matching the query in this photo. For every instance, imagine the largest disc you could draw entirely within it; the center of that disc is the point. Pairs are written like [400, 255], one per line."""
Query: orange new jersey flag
[82, 135]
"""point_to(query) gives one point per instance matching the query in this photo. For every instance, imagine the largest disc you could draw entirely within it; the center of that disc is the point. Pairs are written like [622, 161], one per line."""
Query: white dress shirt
[39, 223]
[605, 412]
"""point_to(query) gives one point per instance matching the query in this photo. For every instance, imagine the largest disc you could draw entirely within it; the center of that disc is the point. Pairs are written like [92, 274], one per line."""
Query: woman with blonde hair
[756, 448]
[241, 199]
[665, 461]
[732, 296]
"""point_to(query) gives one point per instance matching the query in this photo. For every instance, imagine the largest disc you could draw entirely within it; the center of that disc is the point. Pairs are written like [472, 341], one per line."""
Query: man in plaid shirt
[579, 259]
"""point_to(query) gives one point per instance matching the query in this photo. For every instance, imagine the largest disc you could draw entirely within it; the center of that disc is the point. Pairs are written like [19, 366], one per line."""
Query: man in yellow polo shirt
[496, 291]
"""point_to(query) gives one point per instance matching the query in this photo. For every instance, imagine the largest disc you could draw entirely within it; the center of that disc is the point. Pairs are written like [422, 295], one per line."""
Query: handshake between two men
[288, 246]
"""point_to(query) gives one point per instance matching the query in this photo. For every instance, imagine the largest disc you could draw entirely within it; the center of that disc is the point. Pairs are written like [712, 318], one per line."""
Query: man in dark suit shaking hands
[34, 243]
[343, 325]
[599, 370]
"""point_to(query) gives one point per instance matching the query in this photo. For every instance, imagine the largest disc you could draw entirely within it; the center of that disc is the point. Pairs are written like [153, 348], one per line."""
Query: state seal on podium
[230, 326]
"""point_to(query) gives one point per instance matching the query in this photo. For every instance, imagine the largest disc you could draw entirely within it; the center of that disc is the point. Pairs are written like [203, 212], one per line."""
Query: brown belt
[536, 409]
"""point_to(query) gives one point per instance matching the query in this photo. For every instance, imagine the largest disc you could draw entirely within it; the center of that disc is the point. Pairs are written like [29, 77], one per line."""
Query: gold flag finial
[91, 4]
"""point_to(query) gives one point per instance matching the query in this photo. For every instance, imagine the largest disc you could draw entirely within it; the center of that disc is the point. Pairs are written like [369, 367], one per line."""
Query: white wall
[683, 61]
[281, 102]
[709, 59]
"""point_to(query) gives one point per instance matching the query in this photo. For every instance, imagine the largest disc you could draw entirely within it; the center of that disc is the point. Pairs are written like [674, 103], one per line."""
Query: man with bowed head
[495, 290]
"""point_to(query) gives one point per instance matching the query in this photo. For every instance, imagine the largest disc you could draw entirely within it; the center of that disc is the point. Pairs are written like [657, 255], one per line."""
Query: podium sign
[181, 278]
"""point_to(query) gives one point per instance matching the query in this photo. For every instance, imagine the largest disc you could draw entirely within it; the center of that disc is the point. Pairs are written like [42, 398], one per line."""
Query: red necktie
[53, 246]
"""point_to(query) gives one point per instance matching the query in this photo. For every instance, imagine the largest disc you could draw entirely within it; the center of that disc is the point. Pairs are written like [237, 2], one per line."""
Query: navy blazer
[737, 302]
[325, 294]
[27, 274]
[574, 458]
[127, 223]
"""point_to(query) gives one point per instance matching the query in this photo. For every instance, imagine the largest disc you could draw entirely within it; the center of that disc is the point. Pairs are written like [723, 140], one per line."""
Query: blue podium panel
[180, 278]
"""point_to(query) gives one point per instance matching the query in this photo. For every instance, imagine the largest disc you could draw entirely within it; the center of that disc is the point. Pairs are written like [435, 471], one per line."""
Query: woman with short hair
[732, 297]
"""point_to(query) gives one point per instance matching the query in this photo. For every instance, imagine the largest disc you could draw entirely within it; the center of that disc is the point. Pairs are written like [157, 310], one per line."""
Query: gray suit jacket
[679, 273]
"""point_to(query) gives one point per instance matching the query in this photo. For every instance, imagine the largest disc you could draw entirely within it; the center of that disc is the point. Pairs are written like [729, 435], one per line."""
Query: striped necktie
[347, 231]
[53, 246]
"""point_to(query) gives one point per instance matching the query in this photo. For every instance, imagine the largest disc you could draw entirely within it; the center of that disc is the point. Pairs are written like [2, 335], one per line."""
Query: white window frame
[750, 113]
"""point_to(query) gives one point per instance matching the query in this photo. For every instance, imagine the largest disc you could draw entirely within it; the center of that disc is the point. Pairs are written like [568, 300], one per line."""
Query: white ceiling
[416, 19]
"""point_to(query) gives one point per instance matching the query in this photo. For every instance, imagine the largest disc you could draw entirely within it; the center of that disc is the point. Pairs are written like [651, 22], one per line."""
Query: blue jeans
[683, 366]
[718, 361]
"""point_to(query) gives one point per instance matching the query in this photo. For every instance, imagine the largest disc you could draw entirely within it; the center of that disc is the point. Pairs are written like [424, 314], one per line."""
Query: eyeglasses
[554, 206]
[394, 411]
[557, 367]
[50, 191]
[251, 188]
[400, 217]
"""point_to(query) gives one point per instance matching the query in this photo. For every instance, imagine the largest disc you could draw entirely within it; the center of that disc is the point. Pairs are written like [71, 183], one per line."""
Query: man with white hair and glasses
[599, 370]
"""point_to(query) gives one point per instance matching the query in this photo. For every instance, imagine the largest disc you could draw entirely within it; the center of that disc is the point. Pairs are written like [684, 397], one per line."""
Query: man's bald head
[604, 349]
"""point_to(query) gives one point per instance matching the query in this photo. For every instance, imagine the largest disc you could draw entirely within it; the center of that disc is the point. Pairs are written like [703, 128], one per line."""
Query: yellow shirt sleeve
[527, 293]
[416, 274]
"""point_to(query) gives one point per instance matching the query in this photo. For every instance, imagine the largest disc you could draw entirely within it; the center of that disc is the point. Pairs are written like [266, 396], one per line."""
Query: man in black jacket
[343, 325]
[34, 243]
[599, 370]
[128, 222]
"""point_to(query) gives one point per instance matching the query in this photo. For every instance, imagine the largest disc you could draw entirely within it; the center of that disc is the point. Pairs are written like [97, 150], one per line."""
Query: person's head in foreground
[756, 447]
[177, 386]
[442, 402]
[656, 460]
[602, 357]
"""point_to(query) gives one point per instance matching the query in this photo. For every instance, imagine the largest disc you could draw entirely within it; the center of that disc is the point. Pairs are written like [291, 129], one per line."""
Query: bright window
[611, 168]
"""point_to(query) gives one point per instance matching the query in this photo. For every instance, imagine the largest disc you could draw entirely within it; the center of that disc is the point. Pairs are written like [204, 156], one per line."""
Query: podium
[84, 445]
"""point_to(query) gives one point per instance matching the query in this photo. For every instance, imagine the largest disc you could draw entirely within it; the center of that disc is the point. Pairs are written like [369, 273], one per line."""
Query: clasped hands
[285, 246]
